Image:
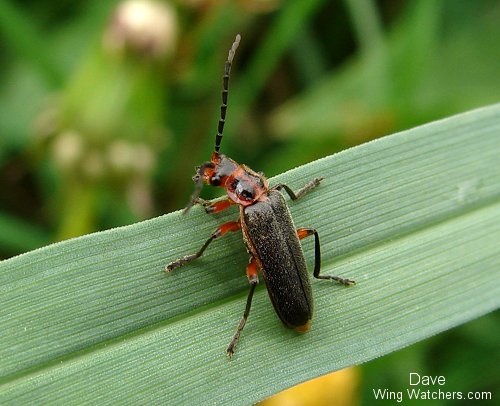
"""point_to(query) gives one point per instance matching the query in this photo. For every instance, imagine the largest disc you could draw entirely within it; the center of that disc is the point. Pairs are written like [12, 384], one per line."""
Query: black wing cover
[272, 234]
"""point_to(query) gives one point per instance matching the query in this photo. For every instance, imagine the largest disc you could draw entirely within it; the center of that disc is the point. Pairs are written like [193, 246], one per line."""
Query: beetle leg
[253, 279]
[198, 178]
[219, 232]
[214, 207]
[306, 232]
[301, 192]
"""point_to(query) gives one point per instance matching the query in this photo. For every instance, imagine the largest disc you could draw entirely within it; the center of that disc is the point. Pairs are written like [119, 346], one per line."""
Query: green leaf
[413, 218]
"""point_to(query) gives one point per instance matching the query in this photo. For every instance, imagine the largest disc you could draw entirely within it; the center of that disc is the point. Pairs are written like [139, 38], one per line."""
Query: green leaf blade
[413, 218]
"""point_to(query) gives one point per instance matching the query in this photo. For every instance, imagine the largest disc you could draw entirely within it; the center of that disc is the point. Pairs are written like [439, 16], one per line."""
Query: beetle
[267, 227]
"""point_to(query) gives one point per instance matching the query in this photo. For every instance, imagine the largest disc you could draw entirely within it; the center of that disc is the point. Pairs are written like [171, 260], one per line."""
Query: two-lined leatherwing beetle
[268, 230]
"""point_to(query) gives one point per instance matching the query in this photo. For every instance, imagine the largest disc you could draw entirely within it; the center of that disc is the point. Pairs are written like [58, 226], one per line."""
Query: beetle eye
[247, 194]
[244, 190]
[215, 180]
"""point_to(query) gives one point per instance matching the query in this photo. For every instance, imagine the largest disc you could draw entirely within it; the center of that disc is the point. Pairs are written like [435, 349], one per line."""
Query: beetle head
[244, 186]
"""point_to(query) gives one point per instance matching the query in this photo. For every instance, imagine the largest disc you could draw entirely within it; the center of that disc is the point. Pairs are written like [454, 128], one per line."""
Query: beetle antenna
[225, 86]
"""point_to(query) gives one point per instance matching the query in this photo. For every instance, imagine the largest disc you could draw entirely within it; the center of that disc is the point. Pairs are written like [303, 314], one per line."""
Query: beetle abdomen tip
[304, 328]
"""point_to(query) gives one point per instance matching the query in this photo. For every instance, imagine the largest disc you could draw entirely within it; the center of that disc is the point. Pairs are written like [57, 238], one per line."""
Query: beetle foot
[176, 264]
[230, 350]
[170, 267]
[346, 282]
[205, 203]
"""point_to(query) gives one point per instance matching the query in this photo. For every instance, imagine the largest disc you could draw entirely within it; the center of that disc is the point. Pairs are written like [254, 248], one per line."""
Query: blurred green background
[106, 107]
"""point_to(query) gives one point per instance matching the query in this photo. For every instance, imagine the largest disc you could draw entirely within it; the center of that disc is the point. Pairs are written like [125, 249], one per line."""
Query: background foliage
[99, 128]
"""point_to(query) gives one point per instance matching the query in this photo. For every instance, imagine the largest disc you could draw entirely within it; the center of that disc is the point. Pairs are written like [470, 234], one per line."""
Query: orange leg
[306, 232]
[226, 227]
[252, 271]
[253, 279]
[219, 232]
[214, 207]
[218, 206]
